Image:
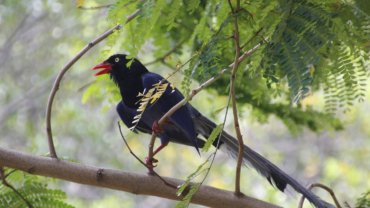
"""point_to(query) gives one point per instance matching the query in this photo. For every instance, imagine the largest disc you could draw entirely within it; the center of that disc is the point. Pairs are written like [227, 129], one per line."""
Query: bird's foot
[149, 162]
[156, 128]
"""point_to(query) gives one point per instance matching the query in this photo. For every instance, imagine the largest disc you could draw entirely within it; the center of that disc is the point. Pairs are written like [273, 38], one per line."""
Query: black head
[121, 67]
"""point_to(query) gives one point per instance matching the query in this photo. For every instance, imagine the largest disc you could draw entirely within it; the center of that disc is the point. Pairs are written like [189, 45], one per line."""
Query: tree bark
[121, 180]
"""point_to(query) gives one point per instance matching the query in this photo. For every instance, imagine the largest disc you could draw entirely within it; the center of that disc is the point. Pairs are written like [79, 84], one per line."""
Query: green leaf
[186, 200]
[173, 13]
[214, 135]
[191, 5]
[190, 177]
[33, 190]
[363, 201]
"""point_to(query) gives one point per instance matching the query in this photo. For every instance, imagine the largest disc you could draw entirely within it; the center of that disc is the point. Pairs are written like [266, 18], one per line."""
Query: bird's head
[117, 67]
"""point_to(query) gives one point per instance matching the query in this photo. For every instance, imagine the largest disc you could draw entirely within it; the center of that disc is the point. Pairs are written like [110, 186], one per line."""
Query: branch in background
[162, 58]
[59, 79]
[101, 6]
[132, 16]
[23, 100]
[120, 180]
[95, 7]
[12, 37]
[233, 99]
[5, 183]
[329, 190]
[250, 39]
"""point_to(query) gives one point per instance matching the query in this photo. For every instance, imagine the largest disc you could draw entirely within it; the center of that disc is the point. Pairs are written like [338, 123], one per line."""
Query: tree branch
[132, 16]
[120, 180]
[65, 69]
[233, 99]
[59, 79]
[96, 7]
[329, 190]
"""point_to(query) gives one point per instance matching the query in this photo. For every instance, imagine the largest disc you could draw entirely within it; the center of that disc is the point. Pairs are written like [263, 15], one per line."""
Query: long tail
[273, 174]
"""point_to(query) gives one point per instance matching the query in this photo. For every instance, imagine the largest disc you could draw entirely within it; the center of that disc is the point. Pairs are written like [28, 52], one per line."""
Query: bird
[187, 125]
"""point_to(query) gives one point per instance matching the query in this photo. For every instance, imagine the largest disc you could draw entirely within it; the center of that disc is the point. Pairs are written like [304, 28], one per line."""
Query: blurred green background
[38, 37]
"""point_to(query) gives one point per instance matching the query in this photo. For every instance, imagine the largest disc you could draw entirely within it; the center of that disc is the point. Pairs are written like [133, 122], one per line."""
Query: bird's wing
[171, 96]
[127, 115]
[174, 133]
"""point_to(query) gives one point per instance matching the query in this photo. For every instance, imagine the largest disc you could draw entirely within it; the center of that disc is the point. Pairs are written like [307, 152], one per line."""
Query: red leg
[149, 161]
[160, 148]
[156, 128]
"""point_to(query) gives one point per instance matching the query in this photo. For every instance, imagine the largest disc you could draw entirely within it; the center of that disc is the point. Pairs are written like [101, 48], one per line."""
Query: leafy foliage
[31, 189]
[363, 201]
[189, 189]
[307, 45]
[191, 177]
[311, 46]
[214, 134]
[295, 45]
[186, 200]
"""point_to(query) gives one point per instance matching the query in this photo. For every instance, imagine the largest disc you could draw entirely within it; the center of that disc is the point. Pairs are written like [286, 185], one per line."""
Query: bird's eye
[116, 60]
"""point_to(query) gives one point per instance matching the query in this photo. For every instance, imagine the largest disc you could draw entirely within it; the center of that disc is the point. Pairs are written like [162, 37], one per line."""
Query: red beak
[105, 66]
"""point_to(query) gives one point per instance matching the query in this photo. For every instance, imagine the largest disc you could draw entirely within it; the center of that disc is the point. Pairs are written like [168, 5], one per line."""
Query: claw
[149, 162]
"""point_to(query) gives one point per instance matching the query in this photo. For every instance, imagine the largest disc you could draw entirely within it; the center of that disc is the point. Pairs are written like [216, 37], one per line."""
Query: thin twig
[347, 205]
[219, 140]
[250, 39]
[150, 150]
[65, 69]
[132, 16]
[95, 7]
[83, 87]
[5, 182]
[104, 6]
[163, 57]
[169, 65]
[128, 147]
[59, 79]
[133, 154]
[8, 174]
[326, 188]
[233, 97]
[178, 68]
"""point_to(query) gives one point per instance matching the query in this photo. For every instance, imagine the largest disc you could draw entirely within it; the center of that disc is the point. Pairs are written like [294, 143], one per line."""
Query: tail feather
[273, 174]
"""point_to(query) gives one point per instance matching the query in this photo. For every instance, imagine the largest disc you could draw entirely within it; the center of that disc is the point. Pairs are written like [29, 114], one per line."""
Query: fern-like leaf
[295, 47]
[33, 190]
